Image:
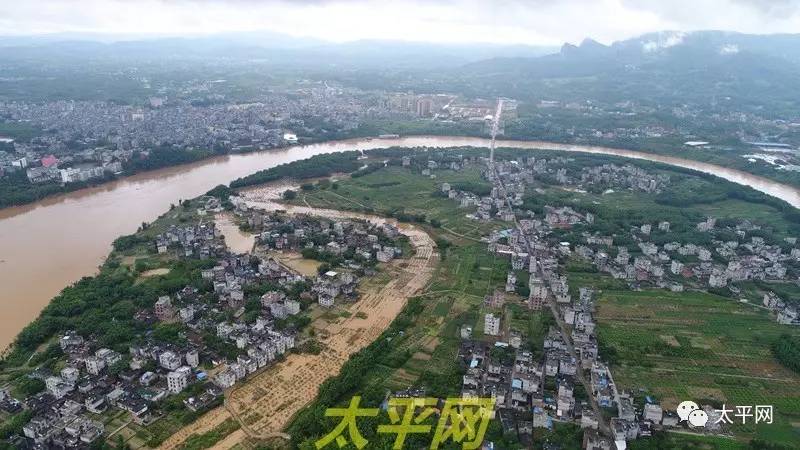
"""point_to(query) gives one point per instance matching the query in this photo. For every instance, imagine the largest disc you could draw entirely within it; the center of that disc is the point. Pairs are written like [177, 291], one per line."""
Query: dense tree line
[101, 305]
[222, 192]
[787, 351]
[316, 166]
[477, 188]
[15, 189]
[13, 424]
[609, 221]
[127, 242]
[164, 157]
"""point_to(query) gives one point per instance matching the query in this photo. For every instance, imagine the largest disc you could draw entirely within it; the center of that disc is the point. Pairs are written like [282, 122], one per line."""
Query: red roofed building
[49, 161]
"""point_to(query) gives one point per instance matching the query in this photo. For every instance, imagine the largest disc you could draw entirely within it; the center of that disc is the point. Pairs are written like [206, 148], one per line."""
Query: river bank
[50, 244]
[680, 161]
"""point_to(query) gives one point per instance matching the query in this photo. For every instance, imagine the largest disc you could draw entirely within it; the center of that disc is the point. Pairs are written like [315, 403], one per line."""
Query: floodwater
[47, 245]
[237, 240]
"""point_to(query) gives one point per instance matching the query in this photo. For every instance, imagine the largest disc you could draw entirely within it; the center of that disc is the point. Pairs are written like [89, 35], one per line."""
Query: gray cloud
[772, 7]
[518, 21]
[731, 11]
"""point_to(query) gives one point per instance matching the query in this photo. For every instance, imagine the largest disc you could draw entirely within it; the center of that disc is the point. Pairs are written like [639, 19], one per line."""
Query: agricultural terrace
[692, 345]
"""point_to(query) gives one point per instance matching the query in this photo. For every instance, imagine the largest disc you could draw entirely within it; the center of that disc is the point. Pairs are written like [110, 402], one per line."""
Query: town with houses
[240, 318]
[648, 257]
[567, 379]
[85, 140]
[79, 141]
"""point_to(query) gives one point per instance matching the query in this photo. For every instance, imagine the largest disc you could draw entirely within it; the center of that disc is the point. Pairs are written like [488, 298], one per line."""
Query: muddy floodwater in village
[237, 240]
[49, 244]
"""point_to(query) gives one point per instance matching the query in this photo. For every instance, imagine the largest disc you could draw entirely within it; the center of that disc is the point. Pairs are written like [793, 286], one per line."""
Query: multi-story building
[163, 308]
[169, 360]
[178, 380]
[491, 325]
[193, 358]
[94, 365]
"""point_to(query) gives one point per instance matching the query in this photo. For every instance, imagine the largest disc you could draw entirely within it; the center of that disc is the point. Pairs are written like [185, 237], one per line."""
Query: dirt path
[231, 440]
[729, 375]
[463, 236]
[205, 423]
[265, 404]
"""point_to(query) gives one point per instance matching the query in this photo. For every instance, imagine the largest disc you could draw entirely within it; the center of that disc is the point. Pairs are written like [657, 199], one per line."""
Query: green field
[701, 347]
[397, 189]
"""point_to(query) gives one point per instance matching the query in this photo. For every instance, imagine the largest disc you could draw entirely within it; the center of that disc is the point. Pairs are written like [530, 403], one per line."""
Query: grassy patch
[394, 189]
[209, 438]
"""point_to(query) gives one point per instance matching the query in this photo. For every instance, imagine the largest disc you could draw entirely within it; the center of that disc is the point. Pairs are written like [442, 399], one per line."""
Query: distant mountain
[785, 46]
[659, 67]
[427, 53]
[759, 72]
[587, 48]
[662, 46]
[263, 46]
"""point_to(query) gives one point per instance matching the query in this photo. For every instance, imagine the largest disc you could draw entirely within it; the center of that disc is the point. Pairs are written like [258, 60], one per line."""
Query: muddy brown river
[47, 245]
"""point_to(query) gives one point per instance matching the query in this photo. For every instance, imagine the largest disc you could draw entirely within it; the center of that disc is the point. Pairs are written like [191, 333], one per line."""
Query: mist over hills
[758, 72]
[706, 66]
[261, 46]
[677, 49]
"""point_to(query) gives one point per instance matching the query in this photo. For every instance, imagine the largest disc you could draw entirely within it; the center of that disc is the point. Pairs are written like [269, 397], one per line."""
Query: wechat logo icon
[698, 418]
[691, 412]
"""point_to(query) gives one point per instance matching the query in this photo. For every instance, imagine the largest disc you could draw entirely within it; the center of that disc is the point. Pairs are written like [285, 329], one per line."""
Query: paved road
[605, 427]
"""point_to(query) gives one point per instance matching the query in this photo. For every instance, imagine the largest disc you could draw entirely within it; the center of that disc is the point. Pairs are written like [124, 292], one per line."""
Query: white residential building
[178, 379]
[169, 360]
[491, 325]
[94, 365]
[193, 358]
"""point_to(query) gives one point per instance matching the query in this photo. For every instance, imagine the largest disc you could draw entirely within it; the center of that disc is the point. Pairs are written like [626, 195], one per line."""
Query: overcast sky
[542, 22]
